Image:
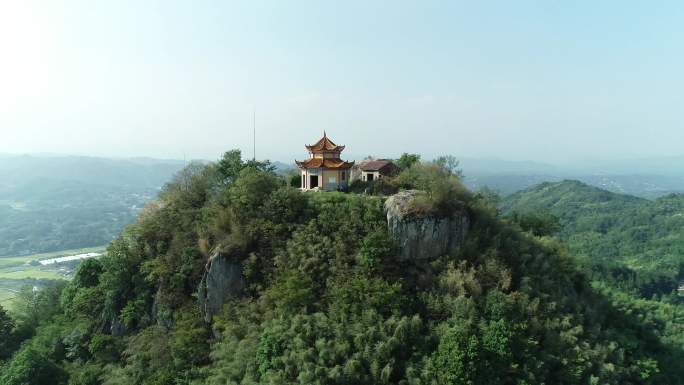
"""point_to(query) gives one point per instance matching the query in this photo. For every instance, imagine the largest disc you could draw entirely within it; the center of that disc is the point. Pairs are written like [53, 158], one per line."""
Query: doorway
[313, 181]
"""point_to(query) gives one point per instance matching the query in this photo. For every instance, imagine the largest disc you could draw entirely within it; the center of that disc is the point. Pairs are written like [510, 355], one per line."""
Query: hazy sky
[540, 80]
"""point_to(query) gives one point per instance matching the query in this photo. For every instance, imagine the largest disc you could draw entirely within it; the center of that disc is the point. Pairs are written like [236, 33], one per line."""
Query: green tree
[450, 165]
[293, 291]
[295, 180]
[7, 338]
[377, 248]
[147, 360]
[407, 160]
[230, 166]
[250, 191]
[84, 374]
[88, 273]
[538, 223]
[123, 282]
[189, 339]
[35, 306]
[458, 358]
[30, 367]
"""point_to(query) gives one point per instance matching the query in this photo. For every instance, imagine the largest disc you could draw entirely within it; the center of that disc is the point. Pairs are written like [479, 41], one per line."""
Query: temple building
[324, 170]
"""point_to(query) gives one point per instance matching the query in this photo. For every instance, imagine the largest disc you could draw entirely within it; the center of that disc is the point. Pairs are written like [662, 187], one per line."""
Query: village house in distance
[324, 170]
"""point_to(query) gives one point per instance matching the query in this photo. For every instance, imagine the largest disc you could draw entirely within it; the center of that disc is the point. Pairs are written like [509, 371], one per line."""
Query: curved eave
[314, 148]
[305, 165]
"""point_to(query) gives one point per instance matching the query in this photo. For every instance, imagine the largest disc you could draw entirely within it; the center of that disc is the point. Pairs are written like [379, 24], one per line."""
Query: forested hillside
[327, 300]
[52, 203]
[636, 244]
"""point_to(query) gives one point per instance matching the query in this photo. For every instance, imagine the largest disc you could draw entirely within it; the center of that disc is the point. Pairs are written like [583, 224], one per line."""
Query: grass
[13, 261]
[9, 289]
[34, 272]
[6, 298]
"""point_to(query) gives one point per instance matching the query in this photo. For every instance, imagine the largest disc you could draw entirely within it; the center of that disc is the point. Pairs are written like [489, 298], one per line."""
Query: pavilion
[324, 170]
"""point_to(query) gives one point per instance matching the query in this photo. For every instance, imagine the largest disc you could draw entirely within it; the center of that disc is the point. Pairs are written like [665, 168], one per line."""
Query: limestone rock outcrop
[422, 237]
[222, 280]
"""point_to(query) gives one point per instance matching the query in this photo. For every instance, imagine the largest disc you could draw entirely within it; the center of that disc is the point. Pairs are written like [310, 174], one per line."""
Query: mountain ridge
[603, 228]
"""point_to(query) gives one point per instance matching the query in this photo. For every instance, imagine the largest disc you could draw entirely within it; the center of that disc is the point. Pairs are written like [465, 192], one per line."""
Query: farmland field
[16, 272]
[6, 297]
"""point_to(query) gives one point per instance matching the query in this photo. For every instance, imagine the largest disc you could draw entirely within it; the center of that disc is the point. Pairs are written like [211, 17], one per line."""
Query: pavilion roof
[334, 164]
[324, 145]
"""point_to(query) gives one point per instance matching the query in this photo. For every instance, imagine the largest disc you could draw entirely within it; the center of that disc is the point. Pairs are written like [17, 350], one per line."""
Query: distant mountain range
[648, 179]
[16, 170]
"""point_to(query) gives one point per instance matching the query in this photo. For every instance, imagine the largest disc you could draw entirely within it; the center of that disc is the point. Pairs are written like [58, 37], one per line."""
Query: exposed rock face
[423, 237]
[222, 279]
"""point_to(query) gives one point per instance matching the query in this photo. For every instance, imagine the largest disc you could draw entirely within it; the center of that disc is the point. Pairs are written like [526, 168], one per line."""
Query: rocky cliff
[222, 279]
[421, 236]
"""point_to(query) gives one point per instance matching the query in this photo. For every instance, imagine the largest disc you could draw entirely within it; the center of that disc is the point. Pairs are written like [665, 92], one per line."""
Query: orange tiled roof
[335, 164]
[376, 165]
[324, 144]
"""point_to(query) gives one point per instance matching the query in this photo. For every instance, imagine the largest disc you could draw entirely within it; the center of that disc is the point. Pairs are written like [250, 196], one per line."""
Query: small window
[343, 175]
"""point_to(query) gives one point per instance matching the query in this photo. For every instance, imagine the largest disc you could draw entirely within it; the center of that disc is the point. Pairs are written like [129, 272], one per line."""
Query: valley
[54, 203]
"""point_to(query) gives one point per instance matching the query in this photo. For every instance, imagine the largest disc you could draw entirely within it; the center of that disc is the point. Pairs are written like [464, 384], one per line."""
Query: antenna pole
[254, 134]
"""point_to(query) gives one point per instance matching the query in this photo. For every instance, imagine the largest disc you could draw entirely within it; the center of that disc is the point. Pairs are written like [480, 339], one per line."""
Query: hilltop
[569, 200]
[234, 277]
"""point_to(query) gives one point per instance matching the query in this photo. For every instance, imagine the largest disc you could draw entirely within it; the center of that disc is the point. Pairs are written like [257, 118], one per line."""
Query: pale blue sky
[540, 80]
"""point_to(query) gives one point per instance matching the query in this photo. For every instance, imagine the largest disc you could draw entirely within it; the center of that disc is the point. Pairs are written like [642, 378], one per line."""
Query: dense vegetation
[59, 203]
[633, 243]
[326, 300]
